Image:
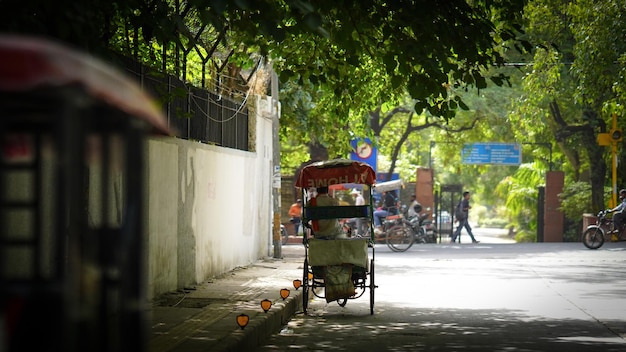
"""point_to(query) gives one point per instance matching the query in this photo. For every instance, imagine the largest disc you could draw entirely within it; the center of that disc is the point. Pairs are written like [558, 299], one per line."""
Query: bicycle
[603, 230]
[399, 235]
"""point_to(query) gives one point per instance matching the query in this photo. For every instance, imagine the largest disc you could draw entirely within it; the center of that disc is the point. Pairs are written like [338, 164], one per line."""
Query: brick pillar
[553, 218]
[424, 188]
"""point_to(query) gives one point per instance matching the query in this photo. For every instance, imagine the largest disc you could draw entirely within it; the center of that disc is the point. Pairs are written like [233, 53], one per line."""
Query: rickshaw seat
[392, 217]
[338, 252]
[336, 212]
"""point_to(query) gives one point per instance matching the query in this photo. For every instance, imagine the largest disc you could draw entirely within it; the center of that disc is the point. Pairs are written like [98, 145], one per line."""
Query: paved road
[477, 297]
[484, 235]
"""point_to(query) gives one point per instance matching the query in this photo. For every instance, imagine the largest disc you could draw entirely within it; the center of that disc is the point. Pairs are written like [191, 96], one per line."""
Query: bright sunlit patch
[594, 340]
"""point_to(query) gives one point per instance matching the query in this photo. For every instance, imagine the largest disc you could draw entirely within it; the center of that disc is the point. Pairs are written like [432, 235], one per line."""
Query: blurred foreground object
[72, 262]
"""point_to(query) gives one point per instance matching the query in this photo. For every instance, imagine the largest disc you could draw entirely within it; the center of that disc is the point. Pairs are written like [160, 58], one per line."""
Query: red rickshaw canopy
[334, 172]
[28, 63]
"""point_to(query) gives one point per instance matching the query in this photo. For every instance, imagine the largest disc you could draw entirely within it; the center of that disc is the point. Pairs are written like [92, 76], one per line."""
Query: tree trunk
[598, 172]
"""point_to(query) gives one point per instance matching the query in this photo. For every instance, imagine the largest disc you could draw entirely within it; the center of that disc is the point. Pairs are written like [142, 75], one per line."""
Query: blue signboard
[492, 153]
[363, 150]
[382, 177]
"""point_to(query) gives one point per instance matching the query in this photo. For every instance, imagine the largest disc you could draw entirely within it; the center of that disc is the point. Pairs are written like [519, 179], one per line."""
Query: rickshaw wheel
[372, 287]
[342, 302]
[399, 238]
[305, 286]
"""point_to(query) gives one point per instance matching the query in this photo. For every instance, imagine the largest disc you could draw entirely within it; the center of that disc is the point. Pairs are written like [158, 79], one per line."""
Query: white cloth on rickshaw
[338, 252]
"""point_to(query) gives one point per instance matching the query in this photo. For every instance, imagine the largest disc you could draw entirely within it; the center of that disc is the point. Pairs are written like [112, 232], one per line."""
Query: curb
[210, 322]
[262, 325]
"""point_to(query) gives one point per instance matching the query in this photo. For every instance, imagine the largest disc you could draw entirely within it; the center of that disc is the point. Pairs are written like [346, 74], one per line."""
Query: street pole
[276, 167]
[430, 155]
[614, 158]
[612, 138]
[614, 172]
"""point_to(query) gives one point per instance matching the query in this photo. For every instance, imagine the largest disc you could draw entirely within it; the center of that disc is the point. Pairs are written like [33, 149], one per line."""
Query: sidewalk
[203, 318]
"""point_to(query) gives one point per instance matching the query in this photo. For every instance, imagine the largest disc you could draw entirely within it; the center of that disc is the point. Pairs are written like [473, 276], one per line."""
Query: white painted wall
[209, 208]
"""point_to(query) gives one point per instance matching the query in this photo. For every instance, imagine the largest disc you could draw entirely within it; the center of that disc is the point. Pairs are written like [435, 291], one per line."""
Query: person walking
[462, 217]
[295, 215]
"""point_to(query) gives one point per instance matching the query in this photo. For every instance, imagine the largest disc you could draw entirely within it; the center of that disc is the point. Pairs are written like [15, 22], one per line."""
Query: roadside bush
[571, 235]
[576, 200]
[525, 236]
[572, 230]
[493, 222]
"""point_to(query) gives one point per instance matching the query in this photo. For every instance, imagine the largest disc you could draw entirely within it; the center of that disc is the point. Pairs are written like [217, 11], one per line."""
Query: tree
[520, 192]
[352, 56]
[574, 83]
[407, 122]
[376, 52]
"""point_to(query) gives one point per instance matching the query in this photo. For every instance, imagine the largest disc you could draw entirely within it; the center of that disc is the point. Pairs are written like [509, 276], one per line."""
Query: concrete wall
[209, 208]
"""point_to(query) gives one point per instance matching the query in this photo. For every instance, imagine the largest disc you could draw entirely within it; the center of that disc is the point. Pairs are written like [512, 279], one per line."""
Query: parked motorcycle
[431, 229]
[423, 228]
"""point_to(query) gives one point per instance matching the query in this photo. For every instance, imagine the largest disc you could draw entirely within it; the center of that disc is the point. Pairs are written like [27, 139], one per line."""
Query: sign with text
[492, 153]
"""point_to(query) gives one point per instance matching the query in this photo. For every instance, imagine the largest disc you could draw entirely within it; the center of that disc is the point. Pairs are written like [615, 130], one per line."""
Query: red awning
[28, 63]
[334, 172]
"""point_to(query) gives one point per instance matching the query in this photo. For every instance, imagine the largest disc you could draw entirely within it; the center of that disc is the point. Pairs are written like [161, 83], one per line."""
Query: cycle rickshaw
[72, 236]
[340, 265]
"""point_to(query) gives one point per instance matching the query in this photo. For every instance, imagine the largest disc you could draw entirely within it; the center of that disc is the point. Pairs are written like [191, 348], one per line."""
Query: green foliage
[291, 156]
[596, 25]
[494, 223]
[520, 192]
[338, 60]
[85, 24]
[576, 200]
[573, 230]
[431, 71]
[525, 236]
[569, 92]
[575, 83]
[376, 52]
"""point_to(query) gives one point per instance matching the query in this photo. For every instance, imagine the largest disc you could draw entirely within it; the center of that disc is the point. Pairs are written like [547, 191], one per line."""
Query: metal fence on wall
[194, 113]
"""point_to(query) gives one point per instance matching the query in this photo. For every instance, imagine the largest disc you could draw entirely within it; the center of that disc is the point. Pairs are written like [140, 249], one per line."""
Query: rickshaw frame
[321, 255]
[72, 274]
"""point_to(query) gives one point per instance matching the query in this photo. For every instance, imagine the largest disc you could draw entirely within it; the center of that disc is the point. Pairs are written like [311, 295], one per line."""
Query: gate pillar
[424, 188]
[553, 217]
